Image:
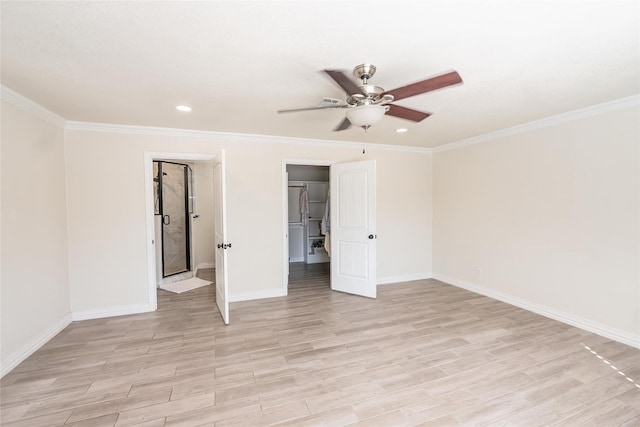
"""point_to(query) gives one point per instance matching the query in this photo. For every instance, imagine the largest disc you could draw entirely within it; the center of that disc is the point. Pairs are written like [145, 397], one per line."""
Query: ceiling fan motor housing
[364, 72]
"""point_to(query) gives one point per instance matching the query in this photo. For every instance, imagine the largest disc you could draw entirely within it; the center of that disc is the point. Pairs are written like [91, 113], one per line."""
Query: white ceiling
[237, 63]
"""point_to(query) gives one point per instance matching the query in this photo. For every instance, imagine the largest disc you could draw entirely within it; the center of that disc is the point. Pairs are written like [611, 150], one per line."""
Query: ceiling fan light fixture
[366, 115]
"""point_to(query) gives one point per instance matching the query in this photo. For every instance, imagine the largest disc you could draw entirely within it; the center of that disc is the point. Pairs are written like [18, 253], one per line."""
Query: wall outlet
[479, 271]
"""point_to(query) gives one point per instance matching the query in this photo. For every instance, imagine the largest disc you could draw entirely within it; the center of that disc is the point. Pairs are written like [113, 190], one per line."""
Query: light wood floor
[423, 353]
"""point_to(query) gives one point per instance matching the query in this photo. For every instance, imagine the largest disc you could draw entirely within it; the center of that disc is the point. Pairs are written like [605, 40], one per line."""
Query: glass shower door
[174, 208]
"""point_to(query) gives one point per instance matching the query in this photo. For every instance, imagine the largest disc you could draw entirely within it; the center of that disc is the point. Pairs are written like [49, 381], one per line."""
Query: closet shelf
[316, 237]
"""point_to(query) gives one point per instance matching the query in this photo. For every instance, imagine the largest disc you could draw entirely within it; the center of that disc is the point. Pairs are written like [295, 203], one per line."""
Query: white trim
[122, 310]
[594, 110]
[561, 316]
[233, 137]
[248, 296]
[392, 280]
[18, 100]
[151, 232]
[27, 350]
[205, 265]
[285, 229]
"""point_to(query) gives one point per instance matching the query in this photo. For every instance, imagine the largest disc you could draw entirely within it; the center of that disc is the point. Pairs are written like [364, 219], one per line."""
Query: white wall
[551, 217]
[35, 276]
[107, 213]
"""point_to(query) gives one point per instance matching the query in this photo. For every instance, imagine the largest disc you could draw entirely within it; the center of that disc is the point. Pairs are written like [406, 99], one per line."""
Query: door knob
[371, 236]
[219, 245]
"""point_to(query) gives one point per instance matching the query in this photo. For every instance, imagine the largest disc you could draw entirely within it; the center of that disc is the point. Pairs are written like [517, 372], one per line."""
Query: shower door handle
[166, 220]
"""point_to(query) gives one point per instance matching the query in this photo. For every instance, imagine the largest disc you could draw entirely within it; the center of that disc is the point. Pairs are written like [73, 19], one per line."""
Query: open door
[353, 228]
[172, 189]
[222, 246]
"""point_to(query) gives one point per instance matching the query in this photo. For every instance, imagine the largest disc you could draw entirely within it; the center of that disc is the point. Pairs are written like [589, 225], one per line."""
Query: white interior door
[353, 228]
[221, 242]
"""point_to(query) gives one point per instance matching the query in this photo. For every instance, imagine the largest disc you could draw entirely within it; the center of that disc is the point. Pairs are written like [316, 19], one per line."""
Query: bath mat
[185, 285]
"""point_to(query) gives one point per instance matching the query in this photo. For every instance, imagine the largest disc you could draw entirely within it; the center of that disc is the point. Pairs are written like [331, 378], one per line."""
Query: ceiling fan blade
[312, 108]
[427, 85]
[406, 113]
[348, 85]
[344, 125]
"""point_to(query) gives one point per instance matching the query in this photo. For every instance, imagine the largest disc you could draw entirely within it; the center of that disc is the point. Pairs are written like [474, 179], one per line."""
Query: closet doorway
[308, 242]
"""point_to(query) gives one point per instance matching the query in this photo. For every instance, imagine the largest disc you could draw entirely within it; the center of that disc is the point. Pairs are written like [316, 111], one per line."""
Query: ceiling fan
[366, 104]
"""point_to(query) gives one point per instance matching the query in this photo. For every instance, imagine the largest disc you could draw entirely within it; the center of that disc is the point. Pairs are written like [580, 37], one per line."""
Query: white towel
[304, 206]
[325, 227]
[327, 243]
[326, 218]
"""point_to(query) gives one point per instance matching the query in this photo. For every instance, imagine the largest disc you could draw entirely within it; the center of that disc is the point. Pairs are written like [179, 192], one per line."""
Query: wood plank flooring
[423, 353]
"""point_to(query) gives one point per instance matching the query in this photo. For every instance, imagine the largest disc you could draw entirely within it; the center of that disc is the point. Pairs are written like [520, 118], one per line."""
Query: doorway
[307, 246]
[350, 243]
[200, 219]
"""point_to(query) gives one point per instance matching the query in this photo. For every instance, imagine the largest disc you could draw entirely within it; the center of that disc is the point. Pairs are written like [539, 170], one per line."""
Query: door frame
[149, 157]
[285, 213]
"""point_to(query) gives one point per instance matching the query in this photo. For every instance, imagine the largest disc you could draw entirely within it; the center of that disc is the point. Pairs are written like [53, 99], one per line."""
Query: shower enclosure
[173, 206]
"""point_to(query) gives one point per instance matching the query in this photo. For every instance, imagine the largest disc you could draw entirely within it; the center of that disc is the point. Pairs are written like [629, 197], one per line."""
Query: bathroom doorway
[198, 227]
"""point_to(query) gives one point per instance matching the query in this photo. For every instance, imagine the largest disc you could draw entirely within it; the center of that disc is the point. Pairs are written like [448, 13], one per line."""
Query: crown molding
[16, 99]
[20, 101]
[232, 137]
[618, 104]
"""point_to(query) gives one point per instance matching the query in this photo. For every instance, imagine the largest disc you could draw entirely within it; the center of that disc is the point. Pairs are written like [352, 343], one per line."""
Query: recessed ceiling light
[401, 130]
[184, 108]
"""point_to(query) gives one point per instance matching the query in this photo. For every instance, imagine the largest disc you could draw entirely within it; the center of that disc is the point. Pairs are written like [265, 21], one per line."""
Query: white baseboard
[300, 259]
[561, 316]
[111, 311]
[248, 296]
[204, 265]
[390, 280]
[19, 356]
